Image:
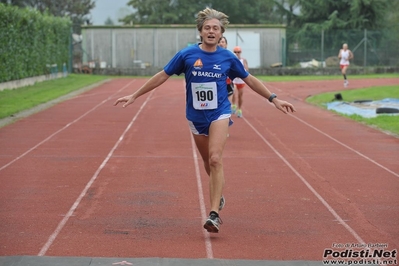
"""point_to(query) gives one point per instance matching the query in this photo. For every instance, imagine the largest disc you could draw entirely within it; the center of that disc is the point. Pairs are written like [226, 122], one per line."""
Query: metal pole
[84, 48]
[70, 51]
[111, 63]
[114, 53]
[135, 44]
[365, 48]
[92, 45]
[154, 46]
[322, 47]
[177, 40]
[283, 50]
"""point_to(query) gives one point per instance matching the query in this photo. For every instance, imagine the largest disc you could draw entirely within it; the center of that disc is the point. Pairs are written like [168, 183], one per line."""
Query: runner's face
[211, 32]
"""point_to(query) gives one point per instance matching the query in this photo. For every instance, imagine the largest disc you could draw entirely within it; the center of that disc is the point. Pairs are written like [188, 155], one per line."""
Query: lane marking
[208, 244]
[61, 225]
[322, 200]
[337, 141]
[201, 199]
[346, 146]
[122, 263]
[65, 127]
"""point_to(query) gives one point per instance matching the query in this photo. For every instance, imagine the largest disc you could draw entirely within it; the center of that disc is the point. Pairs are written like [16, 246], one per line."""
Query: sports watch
[272, 97]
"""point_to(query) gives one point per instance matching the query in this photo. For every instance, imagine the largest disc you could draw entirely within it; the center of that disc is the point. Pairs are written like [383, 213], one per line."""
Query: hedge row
[30, 42]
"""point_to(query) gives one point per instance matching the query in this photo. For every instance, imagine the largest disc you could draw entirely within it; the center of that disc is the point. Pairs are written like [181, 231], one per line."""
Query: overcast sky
[109, 8]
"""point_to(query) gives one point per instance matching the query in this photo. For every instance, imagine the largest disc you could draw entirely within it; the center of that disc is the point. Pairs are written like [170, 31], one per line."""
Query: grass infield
[17, 100]
[389, 123]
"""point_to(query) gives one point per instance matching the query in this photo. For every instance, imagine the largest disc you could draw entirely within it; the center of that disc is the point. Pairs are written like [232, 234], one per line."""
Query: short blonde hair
[209, 13]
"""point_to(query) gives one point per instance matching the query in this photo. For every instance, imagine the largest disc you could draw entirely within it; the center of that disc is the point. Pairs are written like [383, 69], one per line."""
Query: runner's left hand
[284, 106]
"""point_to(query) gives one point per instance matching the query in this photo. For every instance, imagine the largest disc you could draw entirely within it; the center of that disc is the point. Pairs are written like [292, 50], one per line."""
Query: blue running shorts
[202, 128]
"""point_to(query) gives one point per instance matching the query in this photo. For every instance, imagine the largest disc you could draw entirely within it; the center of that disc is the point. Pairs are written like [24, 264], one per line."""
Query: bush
[30, 41]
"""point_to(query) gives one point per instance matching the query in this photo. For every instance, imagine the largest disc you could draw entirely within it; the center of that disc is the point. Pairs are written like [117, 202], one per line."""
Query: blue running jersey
[205, 74]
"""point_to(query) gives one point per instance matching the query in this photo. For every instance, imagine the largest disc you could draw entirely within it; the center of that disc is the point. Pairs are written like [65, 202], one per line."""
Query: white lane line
[65, 127]
[208, 244]
[323, 201]
[61, 225]
[346, 146]
[201, 199]
[341, 143]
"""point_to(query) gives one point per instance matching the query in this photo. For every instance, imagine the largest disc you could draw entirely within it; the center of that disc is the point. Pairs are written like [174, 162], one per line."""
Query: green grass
[326, 77]
[385, 122]
[16, 100]
[372, 93]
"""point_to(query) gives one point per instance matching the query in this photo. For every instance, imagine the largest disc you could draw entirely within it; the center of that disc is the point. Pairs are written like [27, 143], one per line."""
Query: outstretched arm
[151, 84]
[257, 86]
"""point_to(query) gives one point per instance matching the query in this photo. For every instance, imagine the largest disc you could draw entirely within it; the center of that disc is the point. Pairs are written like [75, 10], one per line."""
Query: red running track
[86, 179]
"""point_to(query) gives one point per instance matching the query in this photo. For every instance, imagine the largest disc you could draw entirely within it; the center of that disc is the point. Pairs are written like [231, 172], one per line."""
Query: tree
[286, 10]
[109, 22]
[392, 18]
[162, 12]
[333, 14]
[336, 22]
[185, 11]
[247, 11]
[123, 12]
[20, 3]
[77, 10]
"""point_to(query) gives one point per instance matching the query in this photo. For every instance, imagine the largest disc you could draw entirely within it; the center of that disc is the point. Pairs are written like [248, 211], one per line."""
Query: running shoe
[213, 222]
[239, 113]
[233, 109]
[346, 83]
[222, 202]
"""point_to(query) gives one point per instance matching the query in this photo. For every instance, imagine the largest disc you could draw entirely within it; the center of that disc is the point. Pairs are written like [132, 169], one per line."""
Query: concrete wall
[136, 47]
[14, 84]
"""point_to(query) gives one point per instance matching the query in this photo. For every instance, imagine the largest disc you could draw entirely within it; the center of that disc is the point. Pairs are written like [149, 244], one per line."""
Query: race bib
[205, 95]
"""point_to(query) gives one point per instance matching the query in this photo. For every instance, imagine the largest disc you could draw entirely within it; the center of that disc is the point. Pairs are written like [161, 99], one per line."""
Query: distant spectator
[239, 84]
[230, 86]
[344, 55]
